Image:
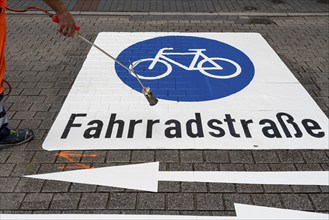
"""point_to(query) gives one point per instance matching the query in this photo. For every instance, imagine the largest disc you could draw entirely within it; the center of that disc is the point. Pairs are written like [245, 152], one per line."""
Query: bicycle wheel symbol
[160, 70]
[217, 73]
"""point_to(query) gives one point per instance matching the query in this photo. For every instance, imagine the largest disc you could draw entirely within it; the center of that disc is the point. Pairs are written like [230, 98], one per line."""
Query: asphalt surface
[42, 67]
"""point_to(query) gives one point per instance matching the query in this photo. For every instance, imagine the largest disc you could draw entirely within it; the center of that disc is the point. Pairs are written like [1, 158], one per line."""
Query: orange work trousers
[2, 45]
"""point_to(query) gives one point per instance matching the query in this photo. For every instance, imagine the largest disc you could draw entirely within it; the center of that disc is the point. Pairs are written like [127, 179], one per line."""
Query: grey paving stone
[308, 167]
[44, 115]
[180, 201]
[118, 156]
[249, 188]
[168, 186]
[324, 189]
[40, 107]
[34, 99]
[29, 185]
[265, 157]
[167, 155]
[8, 184]
[216, 156]
[44, 156]
[34, 145]
[35, 201]
[315, 157]
[142, 156]
[205, 167]
[11, 201]
[93, 201]
[20, 157]
[306, 189]
[193, 187]
[109, 189]
[289, 156]
[64, 201]
[4, 156]
[50, 168]
[241, 157]
[6, 169]
[76, 187]
[232, 167]
[122, 201]
[24, 169]
[20, 106]
[320, 201]
[257, 167]
[151, 201]
[222, 188]
[269, 200]
[283, 167]
[31, 124]
[209, 202]
[47, 212]
[297, 201]
[277, 189]
[180, 167]
[55, 186]
[191, 156]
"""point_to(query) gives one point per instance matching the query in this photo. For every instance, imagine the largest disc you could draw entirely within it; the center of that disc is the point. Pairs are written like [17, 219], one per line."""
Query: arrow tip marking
[138, 176]
[260, 212]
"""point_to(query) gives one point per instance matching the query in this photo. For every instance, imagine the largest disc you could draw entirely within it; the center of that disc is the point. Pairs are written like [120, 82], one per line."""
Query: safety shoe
[16, 137]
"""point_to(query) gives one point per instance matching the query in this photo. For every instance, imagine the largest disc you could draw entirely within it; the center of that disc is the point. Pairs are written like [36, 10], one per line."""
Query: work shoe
[16, 137]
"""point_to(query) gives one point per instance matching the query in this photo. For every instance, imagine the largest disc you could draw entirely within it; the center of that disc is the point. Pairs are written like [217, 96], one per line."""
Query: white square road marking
[273, 111]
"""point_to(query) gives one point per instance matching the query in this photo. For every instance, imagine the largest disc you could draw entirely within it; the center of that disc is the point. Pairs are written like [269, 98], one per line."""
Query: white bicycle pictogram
[161, 57]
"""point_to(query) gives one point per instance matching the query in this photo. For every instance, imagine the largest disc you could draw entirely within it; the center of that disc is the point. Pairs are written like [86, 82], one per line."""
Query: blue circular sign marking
[186, 68]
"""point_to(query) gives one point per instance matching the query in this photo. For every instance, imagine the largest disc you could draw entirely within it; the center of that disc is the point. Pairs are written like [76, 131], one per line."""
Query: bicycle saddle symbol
[209, 66]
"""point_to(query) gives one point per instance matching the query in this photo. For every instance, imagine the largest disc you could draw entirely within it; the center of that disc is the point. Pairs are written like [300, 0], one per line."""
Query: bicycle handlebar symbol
[161, 57]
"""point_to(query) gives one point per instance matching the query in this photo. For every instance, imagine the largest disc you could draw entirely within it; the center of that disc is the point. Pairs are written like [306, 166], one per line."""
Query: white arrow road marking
[145, 177]
[138, 176]
[260, 212]
[242, 212]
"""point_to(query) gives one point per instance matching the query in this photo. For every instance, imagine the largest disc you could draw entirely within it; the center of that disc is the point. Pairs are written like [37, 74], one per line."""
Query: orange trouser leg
[2, 48]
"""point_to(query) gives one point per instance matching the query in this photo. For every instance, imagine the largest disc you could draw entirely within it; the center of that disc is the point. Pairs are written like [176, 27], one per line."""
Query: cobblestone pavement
[41, 69]
[187, 5]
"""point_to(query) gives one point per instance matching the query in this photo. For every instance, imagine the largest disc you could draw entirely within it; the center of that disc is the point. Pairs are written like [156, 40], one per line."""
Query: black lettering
[211, 125]
[120, 124]
[311, 125]
[271, 131]
[199, 130]
[290, 120]
[177, 129]
[230, 124]
[131, 130]
[94, 132]
[245, 127]
[150, 124]
[70, 124]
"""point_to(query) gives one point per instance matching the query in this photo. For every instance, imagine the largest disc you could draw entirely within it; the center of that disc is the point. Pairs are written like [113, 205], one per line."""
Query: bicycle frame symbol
[161, 57]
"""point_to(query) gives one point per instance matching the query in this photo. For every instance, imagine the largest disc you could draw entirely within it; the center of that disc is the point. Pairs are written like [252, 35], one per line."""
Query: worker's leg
[3, 115]
[8, 137]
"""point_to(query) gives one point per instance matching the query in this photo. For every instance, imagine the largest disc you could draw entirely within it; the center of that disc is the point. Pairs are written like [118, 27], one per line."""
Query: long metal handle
[118, 62]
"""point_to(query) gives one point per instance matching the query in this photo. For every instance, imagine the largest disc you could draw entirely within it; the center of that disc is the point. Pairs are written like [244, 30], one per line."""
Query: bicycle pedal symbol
[215, 70]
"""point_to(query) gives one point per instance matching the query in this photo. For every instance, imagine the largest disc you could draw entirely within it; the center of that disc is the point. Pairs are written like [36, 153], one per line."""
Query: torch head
[149, 96]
